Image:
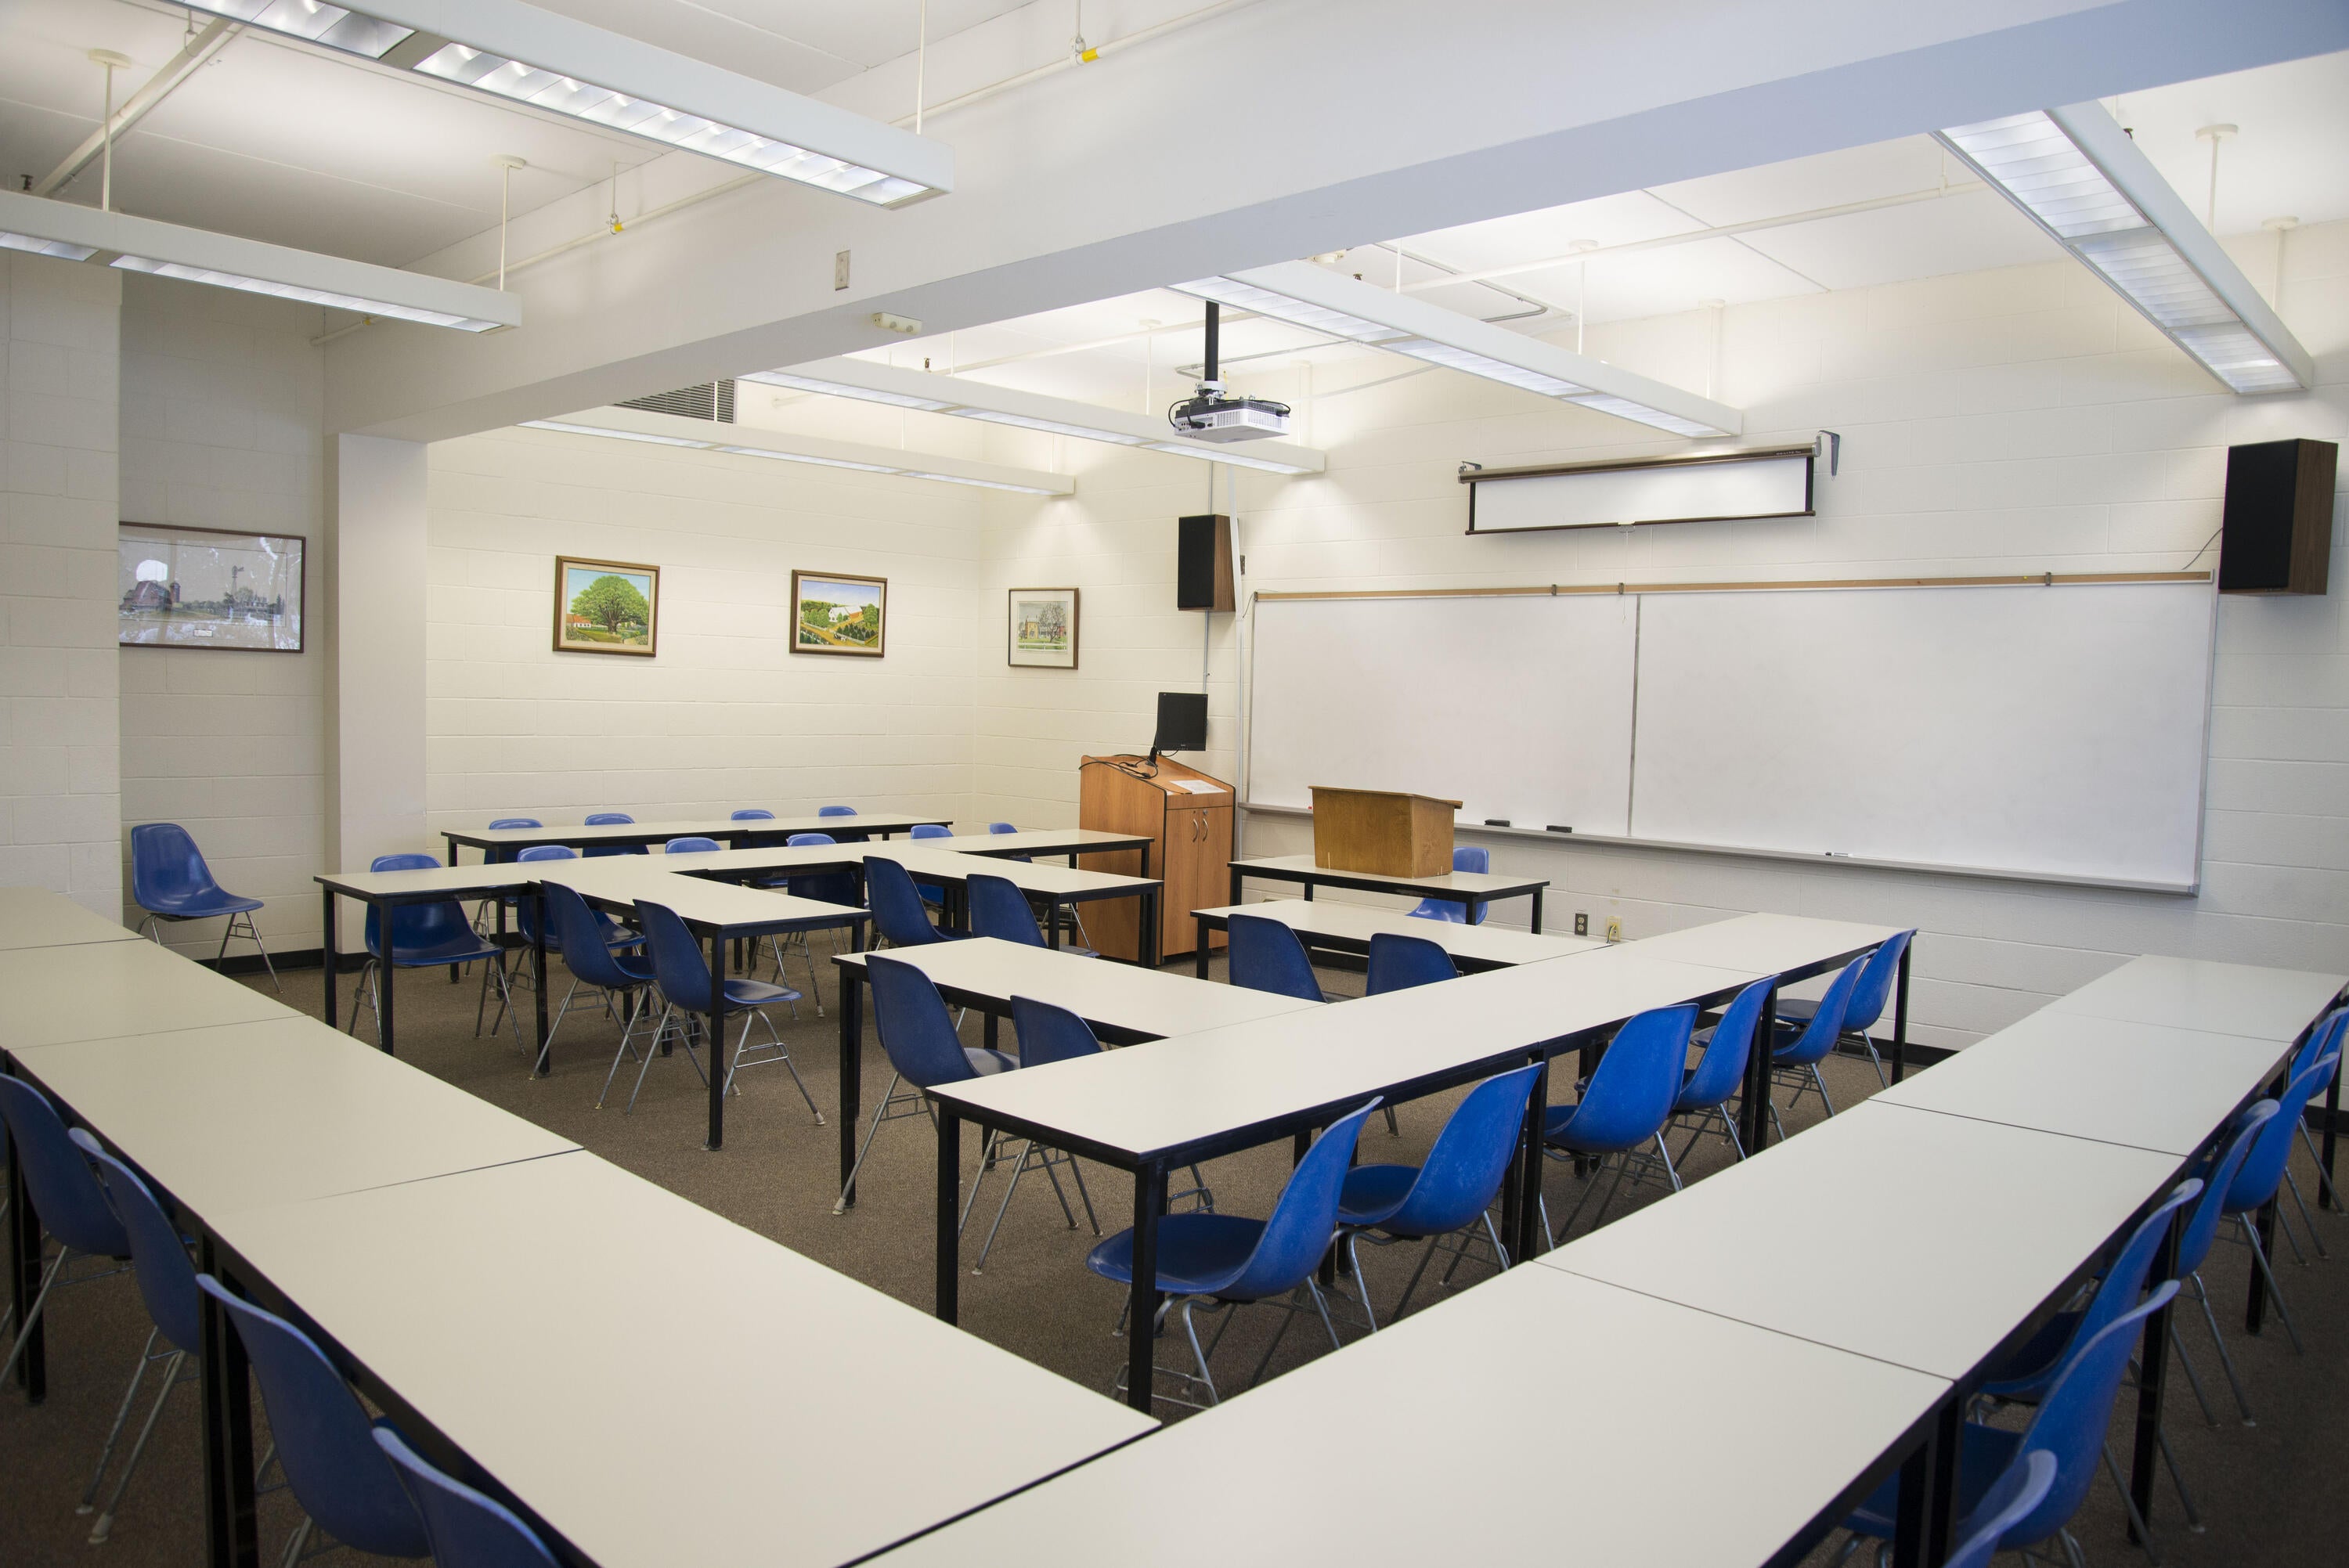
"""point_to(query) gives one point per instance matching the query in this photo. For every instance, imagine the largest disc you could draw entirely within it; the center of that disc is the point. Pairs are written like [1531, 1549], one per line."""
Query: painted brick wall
[2022, 419]
[220, 398]
[60, 771]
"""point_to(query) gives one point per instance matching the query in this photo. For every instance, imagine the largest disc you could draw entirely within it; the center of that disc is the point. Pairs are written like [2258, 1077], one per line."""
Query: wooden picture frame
[592, 617]
[854, 611]
[1041, 629]
[258, 580]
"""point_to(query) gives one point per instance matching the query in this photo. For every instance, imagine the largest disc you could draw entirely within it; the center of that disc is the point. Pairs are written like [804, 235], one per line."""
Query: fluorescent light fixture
[1319, 300]
[869, 382]
[2076, 174]
[525, 54]
[61, 228]
[819, 451]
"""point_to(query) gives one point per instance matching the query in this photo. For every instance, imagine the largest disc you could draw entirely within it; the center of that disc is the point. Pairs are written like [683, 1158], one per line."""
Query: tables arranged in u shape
[1348, 927]
[36, 917]
[1473, 888]
[734, 831]
[95, 990]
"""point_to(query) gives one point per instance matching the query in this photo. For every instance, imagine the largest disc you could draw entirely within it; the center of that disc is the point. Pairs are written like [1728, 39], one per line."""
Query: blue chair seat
[459, 945]
[1198, 1254]
[984, 1061]
[199, 905]
[741, 993]
[1373, 1192]
[1983, 1455]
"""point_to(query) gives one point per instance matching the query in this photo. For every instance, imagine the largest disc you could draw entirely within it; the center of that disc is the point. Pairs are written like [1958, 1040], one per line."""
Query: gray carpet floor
[2266, 1490]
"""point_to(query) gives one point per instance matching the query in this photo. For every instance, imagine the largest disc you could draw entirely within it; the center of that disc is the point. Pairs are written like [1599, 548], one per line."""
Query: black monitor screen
[1182, 721]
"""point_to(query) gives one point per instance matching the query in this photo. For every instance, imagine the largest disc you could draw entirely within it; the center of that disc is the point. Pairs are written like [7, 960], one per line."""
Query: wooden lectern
[1384, 832]
[1188, 818]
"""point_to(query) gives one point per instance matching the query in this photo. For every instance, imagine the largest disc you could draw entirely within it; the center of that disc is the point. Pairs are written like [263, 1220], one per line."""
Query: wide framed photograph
[832, 613]
[1043, 633]
[605, 606]
[209, 588]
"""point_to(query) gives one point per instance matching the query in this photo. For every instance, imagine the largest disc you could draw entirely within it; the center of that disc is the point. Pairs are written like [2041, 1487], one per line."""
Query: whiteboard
[1519, 707]
[2053, 730]
[1680, 492]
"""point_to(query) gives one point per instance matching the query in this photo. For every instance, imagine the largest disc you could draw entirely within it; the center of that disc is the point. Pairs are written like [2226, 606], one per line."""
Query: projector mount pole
[1211, 382]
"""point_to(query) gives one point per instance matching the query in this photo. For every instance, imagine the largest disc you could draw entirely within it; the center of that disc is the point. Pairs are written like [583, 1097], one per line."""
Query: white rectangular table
[1536, 1417]
[1348, 927]
[1068, 842]
[654, 1383]
[2201, 994]
[1472, 889]
[493, 842]
[95, 990]
[36, 917]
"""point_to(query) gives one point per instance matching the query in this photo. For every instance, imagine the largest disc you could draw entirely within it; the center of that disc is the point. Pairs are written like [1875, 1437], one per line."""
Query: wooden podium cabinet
[1188, 818]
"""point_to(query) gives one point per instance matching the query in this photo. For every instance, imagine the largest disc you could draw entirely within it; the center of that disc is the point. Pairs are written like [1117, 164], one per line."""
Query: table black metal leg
[328, 956]
[1199, 959]
[1921, 1537]
[1521, 1208]
[948, 1285]
[1238, 877]
[387, 1038]
[1901, 1015]
[852, 1078]
[1753, 1115]
[25, 1280]
[1052, 924]
[231, 1531]
[2332, 1123]
[718, 1076]
[1141, 1306]
[990, 1030]
[1537, 911]
[538, 968]
[2255, 1305]
[2153, 1372]
[1152, 948]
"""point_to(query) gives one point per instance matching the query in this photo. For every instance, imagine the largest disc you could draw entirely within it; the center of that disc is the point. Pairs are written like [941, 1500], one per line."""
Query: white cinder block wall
[59, 767]
[220, 398]
[2022, 419]
[726, 716]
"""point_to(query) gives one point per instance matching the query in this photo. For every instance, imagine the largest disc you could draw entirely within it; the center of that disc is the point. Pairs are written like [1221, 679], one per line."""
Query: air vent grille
[709, 400]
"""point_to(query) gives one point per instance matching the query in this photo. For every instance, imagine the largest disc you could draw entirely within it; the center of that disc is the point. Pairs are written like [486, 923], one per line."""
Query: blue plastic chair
[522, 979]
[681, 975]
[2260, 1176]
[1626, 1103]
[1008, 827]
[610, 820]
[1464, 858]
[167, 1284]
[428, 936]
[1046, 1034]
[1796, 1052]
[501, 854]
[326, 1443]
[750, 814]
[170, 881]
[1720, 1073]
[932, 893]
[1868, 999]
[846, 835]
[2069, 1425]
[1224, 1260]
[923, 1047]
[1397, 963]
[2196, 1236]
[467, 1529]
[1454, 1190]
[824, 887]
[692, 844]
[2331, 1033]
[66, 1196]
[897, 912]
[2013, 1497]
[597, 953]
[999, 909]
[1266, 954]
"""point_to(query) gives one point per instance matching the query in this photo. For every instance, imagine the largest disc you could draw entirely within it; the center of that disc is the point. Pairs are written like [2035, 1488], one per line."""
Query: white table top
[1489, 884]
[1335, 918]
[1035, 841]
[2085, 1076]
[691, 826]
[1172, 1094]
[1116, 995]
[238, 1115]
[1919, 1239]
[96, 990]
[456, 882]
[2199, 994]
[697, 900]
[36, 917]
[1437, 1440]
[661, 1384]
[1770, 944]
[929, 864]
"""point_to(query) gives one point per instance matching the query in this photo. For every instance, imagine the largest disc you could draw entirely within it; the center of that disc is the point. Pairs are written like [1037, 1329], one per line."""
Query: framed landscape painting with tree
[832, 614]
[605, 606]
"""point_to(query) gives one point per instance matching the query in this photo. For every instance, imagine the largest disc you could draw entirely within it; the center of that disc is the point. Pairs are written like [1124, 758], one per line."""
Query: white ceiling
[806, 46]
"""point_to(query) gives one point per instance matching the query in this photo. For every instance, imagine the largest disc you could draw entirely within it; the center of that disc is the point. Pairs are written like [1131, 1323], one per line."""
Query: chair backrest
[1819, 1036]
[1398, 963]
[691, 844]
[1464, 858]
[679, 967]
[999, 909]
[897, 911]
[166, 867]
[65, 1193]
[752, 814]
[826, 887]
[611, 819]
[1264, 954]
[2201, 1227]
[2071, 1420]
[167, 1280]
[413, 925]
[2127, 1276]
[2019, 1491]
[1874, 985]
[1050, 1034]
[835, 811]
[1631, 1091]
[1304, 1219]
[1464, 1169]
[608, 819]
[1001, 828]
[911, 1018]
[579, 936]
[502, 853]
[325, 1441]
[522, 912]
[2327, 1036]
[548, 853]
[468, 1528]
[1723, 1066]
[801, 841]
[2261, 1172]
[932, 830]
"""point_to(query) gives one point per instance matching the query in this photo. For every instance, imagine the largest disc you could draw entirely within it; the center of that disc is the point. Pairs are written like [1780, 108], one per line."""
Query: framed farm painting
[1043, 628]
[835, 613]
[605, 606]
[208, 588]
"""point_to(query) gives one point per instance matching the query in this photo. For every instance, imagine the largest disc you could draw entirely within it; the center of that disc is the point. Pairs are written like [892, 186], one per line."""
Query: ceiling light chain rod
[2214, 135]
[921, 62]
[108, 59]
[507, 163]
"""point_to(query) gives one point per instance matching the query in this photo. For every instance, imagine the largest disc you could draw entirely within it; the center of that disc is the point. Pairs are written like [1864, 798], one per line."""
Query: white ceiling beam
[215, 37]
[822, 451]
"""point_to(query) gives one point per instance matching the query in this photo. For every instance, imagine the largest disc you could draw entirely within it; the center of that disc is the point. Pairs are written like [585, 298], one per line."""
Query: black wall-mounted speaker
[1203, 563]
[2277, 535]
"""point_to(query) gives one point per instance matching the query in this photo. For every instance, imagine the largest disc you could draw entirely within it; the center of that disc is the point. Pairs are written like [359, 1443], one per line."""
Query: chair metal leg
[1191, 1330]
[2259, 1256]
[1361, 1282]
[33, 1314]
[121, 1415]
[172, 1380]
[880, 1113]
[2203, 1294]
[295, 1544]
[2323, 1177]
[2137, 1520]
[2193, 1377]
[1822, 1082]
[2305, 1217]
[1666, 1155]
[626, 1050]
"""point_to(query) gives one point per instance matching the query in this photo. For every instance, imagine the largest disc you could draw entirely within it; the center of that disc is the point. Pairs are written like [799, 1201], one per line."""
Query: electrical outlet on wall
[1581, 924]
[1614, 929]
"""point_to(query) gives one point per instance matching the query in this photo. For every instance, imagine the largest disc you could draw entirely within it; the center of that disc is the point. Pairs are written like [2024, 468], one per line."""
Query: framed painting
[208, 588]
[1043, 633]
[832, 613]
[605, 606]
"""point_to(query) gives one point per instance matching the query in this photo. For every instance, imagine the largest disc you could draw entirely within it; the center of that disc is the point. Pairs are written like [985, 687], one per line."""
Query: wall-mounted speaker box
[1203, 564]
[2277, 531]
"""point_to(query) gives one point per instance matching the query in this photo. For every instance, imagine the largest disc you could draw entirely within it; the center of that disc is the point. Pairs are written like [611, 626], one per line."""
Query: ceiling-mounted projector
[1214, 415]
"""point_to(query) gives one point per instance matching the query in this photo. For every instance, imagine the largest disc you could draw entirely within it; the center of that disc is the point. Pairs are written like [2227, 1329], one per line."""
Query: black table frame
[1208, 920]
[1403, 887]
[737, 835]
[387, 1035]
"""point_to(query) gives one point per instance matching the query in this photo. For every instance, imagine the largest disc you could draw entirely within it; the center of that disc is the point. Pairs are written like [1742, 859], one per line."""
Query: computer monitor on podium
[1181, 722]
